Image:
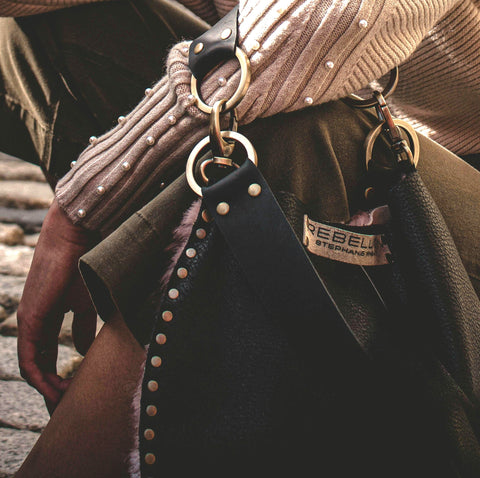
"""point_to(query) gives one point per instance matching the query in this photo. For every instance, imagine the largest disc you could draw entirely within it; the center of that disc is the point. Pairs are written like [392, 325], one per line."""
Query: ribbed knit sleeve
[302, 52]
[439, 88]
[20, 8]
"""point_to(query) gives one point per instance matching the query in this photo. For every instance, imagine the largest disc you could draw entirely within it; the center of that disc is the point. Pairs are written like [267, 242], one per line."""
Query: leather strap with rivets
[215, 46]
[273, 259]
[247, 213]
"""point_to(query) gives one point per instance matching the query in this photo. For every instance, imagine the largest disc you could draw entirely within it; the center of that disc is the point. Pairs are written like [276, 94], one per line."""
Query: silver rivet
[162, 185]
[92, 139]
[150, 140]
[223, 208]
[167, 316]
[226, 34]
[206, 216]
[148, 92]
[363, 24]
[156, 361]
[171, 119]
[81, 213]
[173, 293]
[152, 385]
[151, 410]
[201, 233]
[182, 273]
[149, 434]
[161, 339]
[72, 164]
[150, 459]
[254, 189]
[121, 119]
[198, 48]
[191, 100]
[125, 165]
[255, 46]
[191, 253]
[329, 65]
[222, 81]
[308, 100]
[100, 190]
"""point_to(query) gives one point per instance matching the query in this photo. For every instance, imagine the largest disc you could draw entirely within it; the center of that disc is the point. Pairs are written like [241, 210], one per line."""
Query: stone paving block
[15, 260]
[11, 234]
[22, 407]
[65, 336]
[15, 446]
[15, 169]
[9, 327]
[25, 194]
[11, 289]
[31, 240]
[29, 220]
[67, 358]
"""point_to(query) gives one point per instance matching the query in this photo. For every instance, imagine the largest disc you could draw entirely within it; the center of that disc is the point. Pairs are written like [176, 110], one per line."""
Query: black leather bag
[264, 361]
[266, 368]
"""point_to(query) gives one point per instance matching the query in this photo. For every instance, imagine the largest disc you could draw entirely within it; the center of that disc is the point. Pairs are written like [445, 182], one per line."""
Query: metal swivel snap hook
[219, 146]
[391, 128]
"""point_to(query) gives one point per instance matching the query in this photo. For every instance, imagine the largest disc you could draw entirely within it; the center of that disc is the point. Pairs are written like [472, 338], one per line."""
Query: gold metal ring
[375, 132]
[357, 102]
[250, 150]
[245, 76]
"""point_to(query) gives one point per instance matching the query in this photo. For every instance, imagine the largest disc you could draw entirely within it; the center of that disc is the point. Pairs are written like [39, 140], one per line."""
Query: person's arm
[302, 52]
[53, 287]
[21, 8]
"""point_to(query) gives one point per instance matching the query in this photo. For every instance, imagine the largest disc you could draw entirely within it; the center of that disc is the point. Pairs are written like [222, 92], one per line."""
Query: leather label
[344, 246]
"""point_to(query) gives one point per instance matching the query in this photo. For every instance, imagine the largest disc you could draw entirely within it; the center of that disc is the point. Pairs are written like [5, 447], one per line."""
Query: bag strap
[214, 46]
[273, 259]
[257, 231]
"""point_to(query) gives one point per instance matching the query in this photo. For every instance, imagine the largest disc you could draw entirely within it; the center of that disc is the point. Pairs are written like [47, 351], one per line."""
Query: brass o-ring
[250, 150]
[357, 102]
[245, 77]
[375, 132]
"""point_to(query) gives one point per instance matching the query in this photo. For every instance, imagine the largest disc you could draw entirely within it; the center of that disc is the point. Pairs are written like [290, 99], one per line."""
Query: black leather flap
[214, 46]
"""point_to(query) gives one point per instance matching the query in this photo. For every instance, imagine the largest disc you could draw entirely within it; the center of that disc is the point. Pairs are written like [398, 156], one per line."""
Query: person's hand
[53, 287]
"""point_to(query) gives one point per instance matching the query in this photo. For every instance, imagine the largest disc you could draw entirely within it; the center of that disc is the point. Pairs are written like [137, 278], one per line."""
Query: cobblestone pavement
[24, 199]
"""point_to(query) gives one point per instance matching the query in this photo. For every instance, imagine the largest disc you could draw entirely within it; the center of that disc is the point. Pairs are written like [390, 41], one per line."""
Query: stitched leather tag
[345, 246]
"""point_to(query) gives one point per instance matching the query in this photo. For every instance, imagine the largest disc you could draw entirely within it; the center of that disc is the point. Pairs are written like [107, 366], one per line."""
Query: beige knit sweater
[302, 52]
